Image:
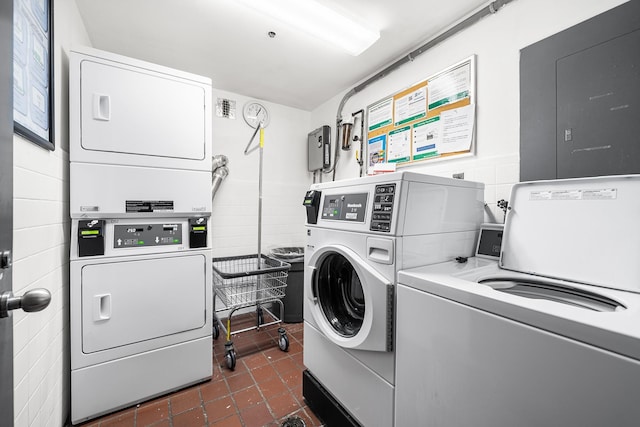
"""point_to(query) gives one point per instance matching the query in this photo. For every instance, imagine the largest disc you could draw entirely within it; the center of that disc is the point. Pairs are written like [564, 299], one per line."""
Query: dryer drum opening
[554, 292]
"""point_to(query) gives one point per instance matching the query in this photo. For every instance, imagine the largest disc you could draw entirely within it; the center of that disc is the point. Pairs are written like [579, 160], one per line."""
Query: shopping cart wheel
[230, 359]
[216, 330]
[283, 340]
[230, 355]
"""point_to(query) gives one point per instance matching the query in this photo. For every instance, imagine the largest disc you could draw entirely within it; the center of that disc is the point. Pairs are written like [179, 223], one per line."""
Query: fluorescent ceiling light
[320, 21]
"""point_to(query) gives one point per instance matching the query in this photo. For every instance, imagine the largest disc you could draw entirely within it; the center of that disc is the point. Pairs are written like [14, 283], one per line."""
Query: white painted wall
[496, 41]
[41, 250]
[284, 181]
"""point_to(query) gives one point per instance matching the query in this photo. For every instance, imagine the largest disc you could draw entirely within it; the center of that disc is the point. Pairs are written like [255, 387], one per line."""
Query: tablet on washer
[490, 241]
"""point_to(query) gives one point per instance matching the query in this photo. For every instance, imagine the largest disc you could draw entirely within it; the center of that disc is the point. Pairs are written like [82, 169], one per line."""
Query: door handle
[31, 301]
[101, 107]
[102, 308]
[314, 285]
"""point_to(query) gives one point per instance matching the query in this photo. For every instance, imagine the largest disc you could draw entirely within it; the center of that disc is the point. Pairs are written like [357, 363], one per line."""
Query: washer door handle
[314, 284]
[380, 250]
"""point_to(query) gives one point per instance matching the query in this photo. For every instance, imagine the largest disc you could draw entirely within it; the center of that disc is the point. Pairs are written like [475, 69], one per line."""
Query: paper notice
[457, 129]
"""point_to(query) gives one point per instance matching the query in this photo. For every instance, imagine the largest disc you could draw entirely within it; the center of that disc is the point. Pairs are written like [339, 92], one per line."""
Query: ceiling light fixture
[320, 21]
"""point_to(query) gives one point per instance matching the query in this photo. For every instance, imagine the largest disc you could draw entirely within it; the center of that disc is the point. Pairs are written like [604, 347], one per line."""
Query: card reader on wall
[319, 142]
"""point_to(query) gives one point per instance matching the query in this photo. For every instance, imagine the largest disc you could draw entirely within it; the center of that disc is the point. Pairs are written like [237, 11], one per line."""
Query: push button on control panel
[383, 208]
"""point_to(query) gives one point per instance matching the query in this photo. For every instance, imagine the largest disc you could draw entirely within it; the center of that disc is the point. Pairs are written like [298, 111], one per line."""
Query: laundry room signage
[432, 119]
[32, 71]
[597, 194]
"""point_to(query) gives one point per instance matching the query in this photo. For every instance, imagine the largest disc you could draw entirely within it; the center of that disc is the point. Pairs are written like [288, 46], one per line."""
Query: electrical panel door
[597, 116]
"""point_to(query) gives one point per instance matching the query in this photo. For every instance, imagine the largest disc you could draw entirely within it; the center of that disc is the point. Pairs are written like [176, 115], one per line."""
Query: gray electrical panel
[319, 142]
[597, 117]
[578, 99]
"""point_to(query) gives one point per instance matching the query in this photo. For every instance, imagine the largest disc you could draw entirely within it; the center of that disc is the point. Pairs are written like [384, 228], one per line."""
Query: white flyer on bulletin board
[381, 114]
[457, 129]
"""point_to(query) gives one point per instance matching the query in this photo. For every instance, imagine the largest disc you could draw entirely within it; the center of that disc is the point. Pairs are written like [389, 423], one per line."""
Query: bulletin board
[433, 119]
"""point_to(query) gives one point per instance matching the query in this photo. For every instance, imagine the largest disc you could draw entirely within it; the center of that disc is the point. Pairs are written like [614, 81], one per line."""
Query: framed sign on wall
[33, 71]
[432, 119]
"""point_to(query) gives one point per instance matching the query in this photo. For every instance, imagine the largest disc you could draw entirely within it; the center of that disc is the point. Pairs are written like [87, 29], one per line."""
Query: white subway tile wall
[497, 173]
[41, 256]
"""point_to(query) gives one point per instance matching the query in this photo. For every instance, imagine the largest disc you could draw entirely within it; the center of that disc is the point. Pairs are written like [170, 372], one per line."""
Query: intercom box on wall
[319, 142]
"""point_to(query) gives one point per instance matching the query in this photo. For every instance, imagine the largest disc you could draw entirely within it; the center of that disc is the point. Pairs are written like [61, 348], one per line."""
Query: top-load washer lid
[583, 230]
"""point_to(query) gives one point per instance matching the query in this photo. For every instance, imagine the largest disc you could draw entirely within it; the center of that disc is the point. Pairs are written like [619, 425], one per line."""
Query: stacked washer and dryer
[140, 206]
[548, 334]
[360, 233]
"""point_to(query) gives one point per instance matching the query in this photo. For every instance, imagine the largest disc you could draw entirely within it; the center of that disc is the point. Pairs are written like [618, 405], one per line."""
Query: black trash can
[294, 293]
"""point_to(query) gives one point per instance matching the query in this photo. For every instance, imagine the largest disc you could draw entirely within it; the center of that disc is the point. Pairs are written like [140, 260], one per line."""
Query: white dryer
[141, 304]
[140, 201]
[360, 232]
[142, 129]
[547, 336]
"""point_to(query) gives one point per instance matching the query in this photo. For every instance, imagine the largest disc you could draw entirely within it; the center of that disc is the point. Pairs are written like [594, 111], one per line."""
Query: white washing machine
[547, 336]
[360, 232]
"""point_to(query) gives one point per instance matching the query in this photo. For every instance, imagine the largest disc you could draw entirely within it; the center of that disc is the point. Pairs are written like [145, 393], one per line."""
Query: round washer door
[340, 294]
[352, 303]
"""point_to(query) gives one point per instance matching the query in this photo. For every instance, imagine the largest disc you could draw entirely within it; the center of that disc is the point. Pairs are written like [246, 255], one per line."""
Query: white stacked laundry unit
[140, 206]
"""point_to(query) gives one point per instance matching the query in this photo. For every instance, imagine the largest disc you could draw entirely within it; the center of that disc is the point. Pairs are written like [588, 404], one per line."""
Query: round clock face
[255, 113]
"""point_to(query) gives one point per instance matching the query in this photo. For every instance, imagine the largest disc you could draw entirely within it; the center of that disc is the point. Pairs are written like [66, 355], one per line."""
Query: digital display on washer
[345, 207]
[490, 241]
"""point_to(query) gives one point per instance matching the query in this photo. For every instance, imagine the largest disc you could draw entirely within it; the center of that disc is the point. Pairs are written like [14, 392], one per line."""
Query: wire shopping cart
[245, 281]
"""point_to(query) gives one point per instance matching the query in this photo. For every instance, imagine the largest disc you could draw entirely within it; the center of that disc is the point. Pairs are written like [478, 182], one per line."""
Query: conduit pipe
[218, 176]
[490, 9]
[218, 160]
[220, 172]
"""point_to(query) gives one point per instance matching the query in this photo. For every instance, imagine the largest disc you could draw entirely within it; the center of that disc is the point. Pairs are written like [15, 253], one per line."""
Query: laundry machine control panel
[383, 207]
[152, 234]
[345, 207]
[118, 237]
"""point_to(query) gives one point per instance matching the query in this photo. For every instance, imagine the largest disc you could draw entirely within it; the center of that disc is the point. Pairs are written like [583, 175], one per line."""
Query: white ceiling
[227, 42]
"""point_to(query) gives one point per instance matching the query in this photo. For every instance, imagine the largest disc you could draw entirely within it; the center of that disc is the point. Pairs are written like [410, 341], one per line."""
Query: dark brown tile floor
[264, 389]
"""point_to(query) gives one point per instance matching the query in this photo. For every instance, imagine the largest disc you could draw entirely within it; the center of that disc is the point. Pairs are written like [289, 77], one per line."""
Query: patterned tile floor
[264, 389]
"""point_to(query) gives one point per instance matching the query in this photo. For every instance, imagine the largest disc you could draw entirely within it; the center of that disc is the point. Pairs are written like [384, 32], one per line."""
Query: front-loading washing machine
[547, 336]
[360, 232]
